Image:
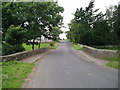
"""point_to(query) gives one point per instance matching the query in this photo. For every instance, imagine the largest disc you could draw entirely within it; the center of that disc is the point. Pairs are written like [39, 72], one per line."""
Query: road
[65, 68]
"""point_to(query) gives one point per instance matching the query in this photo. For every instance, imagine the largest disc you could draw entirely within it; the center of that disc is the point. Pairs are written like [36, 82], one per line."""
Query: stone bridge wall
[100, 53]
[22, 55]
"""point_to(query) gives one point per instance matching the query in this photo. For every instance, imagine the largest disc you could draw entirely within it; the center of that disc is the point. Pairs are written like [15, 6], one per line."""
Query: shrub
[15, 35]
[9, 49]
[52, 44]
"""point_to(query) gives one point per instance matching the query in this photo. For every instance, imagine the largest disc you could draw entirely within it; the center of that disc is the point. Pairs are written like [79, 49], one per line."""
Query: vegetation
[13, 40]
[92, 28]
[54, 45]
[0, 76]
[112, 58]
[114, 61]
[77, 46]
[113, 64]
[14, 73]
[27, 22]
[28, 47]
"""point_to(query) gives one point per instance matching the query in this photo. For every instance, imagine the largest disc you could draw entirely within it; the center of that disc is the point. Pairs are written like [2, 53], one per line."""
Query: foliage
[15, 35]
[23, 22]
[14, 38]
[14, 73]
[54, 45]
[55, 33]
[77, 46]
[92, 28]
[10, 49]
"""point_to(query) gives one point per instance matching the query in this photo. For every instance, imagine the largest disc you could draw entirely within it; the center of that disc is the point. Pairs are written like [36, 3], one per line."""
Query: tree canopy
[92, 27]
[23, 21]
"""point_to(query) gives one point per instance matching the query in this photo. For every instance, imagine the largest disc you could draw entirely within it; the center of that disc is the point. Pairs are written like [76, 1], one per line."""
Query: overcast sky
[70, 7]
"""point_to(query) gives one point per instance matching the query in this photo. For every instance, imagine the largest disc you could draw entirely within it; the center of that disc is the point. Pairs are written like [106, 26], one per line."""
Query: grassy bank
[77, 46]
[14, 73]
[114, 61]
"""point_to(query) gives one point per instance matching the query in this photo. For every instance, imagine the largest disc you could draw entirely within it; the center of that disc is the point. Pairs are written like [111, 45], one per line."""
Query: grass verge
[14, 73]
[114, 62]
[77, 46]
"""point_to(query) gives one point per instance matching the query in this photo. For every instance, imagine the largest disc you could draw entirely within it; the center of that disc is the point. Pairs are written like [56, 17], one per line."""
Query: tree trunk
[39, 43]
[33, 44]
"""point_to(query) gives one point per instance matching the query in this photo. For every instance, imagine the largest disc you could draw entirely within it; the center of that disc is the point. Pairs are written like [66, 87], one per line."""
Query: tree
[23, 22]
[92, 28]
[36, 18]
[55, 33]
[46, 17]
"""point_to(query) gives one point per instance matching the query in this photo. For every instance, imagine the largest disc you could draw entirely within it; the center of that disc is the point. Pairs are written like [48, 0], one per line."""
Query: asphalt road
[65, 68]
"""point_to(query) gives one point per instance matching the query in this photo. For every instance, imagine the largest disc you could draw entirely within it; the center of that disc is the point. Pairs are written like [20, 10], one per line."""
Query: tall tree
[93, 28]
[37, 18]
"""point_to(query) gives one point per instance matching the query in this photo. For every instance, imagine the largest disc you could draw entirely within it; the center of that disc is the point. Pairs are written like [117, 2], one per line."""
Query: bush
[9, 49]
[52, 44]
[15, 35]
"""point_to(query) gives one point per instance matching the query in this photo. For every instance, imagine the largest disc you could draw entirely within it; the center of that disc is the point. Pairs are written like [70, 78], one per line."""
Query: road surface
[65, 68]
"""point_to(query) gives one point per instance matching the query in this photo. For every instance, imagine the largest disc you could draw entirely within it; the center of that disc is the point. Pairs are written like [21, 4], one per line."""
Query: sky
[70, 7]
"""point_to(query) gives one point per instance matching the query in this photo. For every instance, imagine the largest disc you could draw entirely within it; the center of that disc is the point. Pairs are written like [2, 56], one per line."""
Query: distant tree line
[92, 27]
[22, 22]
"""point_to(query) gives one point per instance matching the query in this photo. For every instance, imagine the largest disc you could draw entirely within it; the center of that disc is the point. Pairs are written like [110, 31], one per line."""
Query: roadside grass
[112, 58]
[0, 76]
[29, 47]
[114, 62]
[14, 73]
[77, 46]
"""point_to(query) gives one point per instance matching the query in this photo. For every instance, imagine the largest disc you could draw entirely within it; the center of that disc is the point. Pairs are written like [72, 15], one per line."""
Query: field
[29, 47]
